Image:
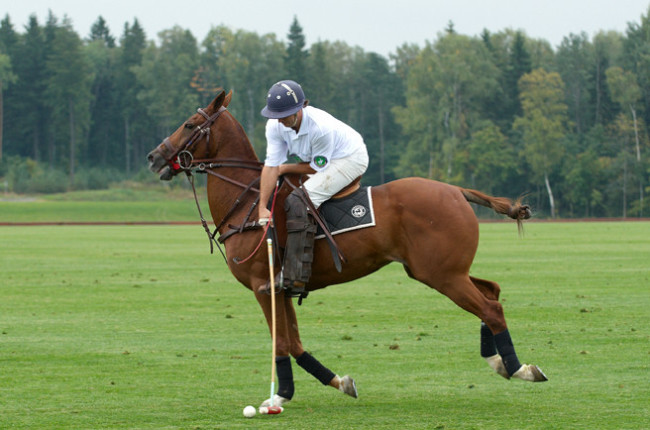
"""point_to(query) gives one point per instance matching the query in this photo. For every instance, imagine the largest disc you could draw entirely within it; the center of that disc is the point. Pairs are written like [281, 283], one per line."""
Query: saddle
[300, 240]
[348, 189]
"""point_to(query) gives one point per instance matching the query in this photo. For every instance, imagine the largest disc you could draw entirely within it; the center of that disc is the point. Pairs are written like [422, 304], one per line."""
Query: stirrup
[290, 288]
[294, 289]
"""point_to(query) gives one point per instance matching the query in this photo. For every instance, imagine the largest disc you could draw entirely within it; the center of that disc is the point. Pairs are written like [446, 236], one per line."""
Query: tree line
[567, 128]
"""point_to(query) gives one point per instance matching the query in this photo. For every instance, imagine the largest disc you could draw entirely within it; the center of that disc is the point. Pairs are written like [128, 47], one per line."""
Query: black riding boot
[299, 251]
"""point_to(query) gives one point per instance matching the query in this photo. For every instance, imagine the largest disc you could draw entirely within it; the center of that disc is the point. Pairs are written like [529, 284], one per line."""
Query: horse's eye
[189, 125]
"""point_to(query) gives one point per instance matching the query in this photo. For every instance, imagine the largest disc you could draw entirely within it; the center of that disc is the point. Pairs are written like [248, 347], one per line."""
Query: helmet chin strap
[295, 120]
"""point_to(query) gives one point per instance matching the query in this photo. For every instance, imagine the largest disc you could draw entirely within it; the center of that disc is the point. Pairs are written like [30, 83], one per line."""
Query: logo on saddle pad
[358, 211]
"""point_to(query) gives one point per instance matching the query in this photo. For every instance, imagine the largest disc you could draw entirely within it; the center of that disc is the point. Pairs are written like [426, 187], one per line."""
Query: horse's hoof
[348, 386]
[496, 363]
[539, 375]
[277, 401]
[530, 372]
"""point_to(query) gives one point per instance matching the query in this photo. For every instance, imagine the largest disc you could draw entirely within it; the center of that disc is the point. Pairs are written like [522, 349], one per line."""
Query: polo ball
[249, 412]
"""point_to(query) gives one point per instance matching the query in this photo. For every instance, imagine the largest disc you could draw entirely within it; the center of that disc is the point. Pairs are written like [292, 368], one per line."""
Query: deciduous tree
[543, 125]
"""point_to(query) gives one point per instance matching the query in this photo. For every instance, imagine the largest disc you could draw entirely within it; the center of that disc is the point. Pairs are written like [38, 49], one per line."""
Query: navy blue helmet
[284, 99]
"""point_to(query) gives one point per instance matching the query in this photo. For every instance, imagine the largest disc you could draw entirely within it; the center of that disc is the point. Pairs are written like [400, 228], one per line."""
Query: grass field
[150, 204]
[140, 327]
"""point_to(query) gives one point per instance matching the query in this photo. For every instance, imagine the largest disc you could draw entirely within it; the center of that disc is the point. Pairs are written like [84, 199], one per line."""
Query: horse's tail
[501, 205]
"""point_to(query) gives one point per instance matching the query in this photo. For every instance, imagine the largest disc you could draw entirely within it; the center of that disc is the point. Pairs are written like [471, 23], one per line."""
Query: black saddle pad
[348, 213]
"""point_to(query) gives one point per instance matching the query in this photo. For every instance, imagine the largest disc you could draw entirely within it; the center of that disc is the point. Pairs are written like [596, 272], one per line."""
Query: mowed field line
[140, 327]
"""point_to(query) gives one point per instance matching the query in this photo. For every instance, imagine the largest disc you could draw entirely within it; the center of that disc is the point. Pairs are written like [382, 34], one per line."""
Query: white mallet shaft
[269, 243]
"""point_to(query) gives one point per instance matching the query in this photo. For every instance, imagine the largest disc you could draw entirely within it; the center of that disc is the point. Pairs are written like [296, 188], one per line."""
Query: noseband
[180, 157]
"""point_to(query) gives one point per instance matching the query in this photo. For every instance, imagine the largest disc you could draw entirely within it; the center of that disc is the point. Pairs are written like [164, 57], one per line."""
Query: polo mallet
[272, 410]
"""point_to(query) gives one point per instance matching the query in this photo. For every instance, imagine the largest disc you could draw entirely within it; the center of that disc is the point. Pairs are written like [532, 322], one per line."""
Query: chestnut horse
[427, 226]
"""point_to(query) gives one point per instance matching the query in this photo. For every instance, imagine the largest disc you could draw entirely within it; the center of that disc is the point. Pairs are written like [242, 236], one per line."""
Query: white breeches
[322, 185]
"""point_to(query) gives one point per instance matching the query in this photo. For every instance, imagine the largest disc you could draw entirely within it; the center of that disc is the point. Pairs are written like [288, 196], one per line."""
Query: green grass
[140, 327]
[137, 203]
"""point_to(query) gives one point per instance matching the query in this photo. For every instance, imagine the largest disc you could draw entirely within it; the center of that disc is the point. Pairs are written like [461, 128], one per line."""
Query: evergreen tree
[68, 93]
[8, 37]
[575, 60]
[510, 55]
[519, 64]
[100, 31]
[296, 58]
[136, 137]
[378, 92]
[10, 136]
[606, 47]
[104, 132]
[319, 84]
[28, 104]
[6, 77]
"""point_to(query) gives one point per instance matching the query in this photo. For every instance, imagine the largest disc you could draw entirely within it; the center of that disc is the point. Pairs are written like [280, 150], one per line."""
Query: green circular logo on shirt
[320, 161]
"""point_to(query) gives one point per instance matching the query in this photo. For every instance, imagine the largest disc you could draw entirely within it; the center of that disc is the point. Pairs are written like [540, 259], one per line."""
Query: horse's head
[189, 141]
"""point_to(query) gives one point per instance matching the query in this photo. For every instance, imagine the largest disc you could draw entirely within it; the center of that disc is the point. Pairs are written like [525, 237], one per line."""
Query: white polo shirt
[321, 139]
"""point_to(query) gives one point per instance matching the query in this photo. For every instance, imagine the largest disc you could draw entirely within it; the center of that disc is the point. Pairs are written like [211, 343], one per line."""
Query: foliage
[29, 176]
[451, 110]
[446, 84]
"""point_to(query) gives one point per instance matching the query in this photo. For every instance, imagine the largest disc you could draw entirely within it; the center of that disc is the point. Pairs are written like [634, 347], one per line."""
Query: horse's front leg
[305, 360]
[285, 345]
[288, 343]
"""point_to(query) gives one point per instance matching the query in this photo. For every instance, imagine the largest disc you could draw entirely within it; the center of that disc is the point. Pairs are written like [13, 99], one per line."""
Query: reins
[266, 229]
[205, 166]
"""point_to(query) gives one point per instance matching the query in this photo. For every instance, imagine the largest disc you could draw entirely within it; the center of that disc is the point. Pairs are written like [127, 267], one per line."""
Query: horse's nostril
[150, 157]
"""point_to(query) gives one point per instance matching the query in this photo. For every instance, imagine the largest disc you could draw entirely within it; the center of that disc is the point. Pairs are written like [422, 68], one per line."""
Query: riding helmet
[284, 99]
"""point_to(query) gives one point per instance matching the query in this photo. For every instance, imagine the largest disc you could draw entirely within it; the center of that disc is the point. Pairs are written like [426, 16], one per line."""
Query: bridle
[181, 159]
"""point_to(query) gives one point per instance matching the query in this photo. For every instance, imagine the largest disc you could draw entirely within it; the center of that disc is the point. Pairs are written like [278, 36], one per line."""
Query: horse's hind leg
[465, 293]
[489, 352]
[492, 346]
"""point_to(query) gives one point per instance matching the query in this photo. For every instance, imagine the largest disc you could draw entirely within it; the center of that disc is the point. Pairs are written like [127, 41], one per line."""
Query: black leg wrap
[507, 351]
[285, 377]
[488, 348]
[315, 368]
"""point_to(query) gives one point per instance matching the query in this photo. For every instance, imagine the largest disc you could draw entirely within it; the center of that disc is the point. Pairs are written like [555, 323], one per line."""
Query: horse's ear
[226, 101]
[219, 100]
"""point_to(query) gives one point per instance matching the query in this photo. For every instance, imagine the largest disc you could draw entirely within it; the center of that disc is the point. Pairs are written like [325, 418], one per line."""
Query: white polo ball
[249, 411]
